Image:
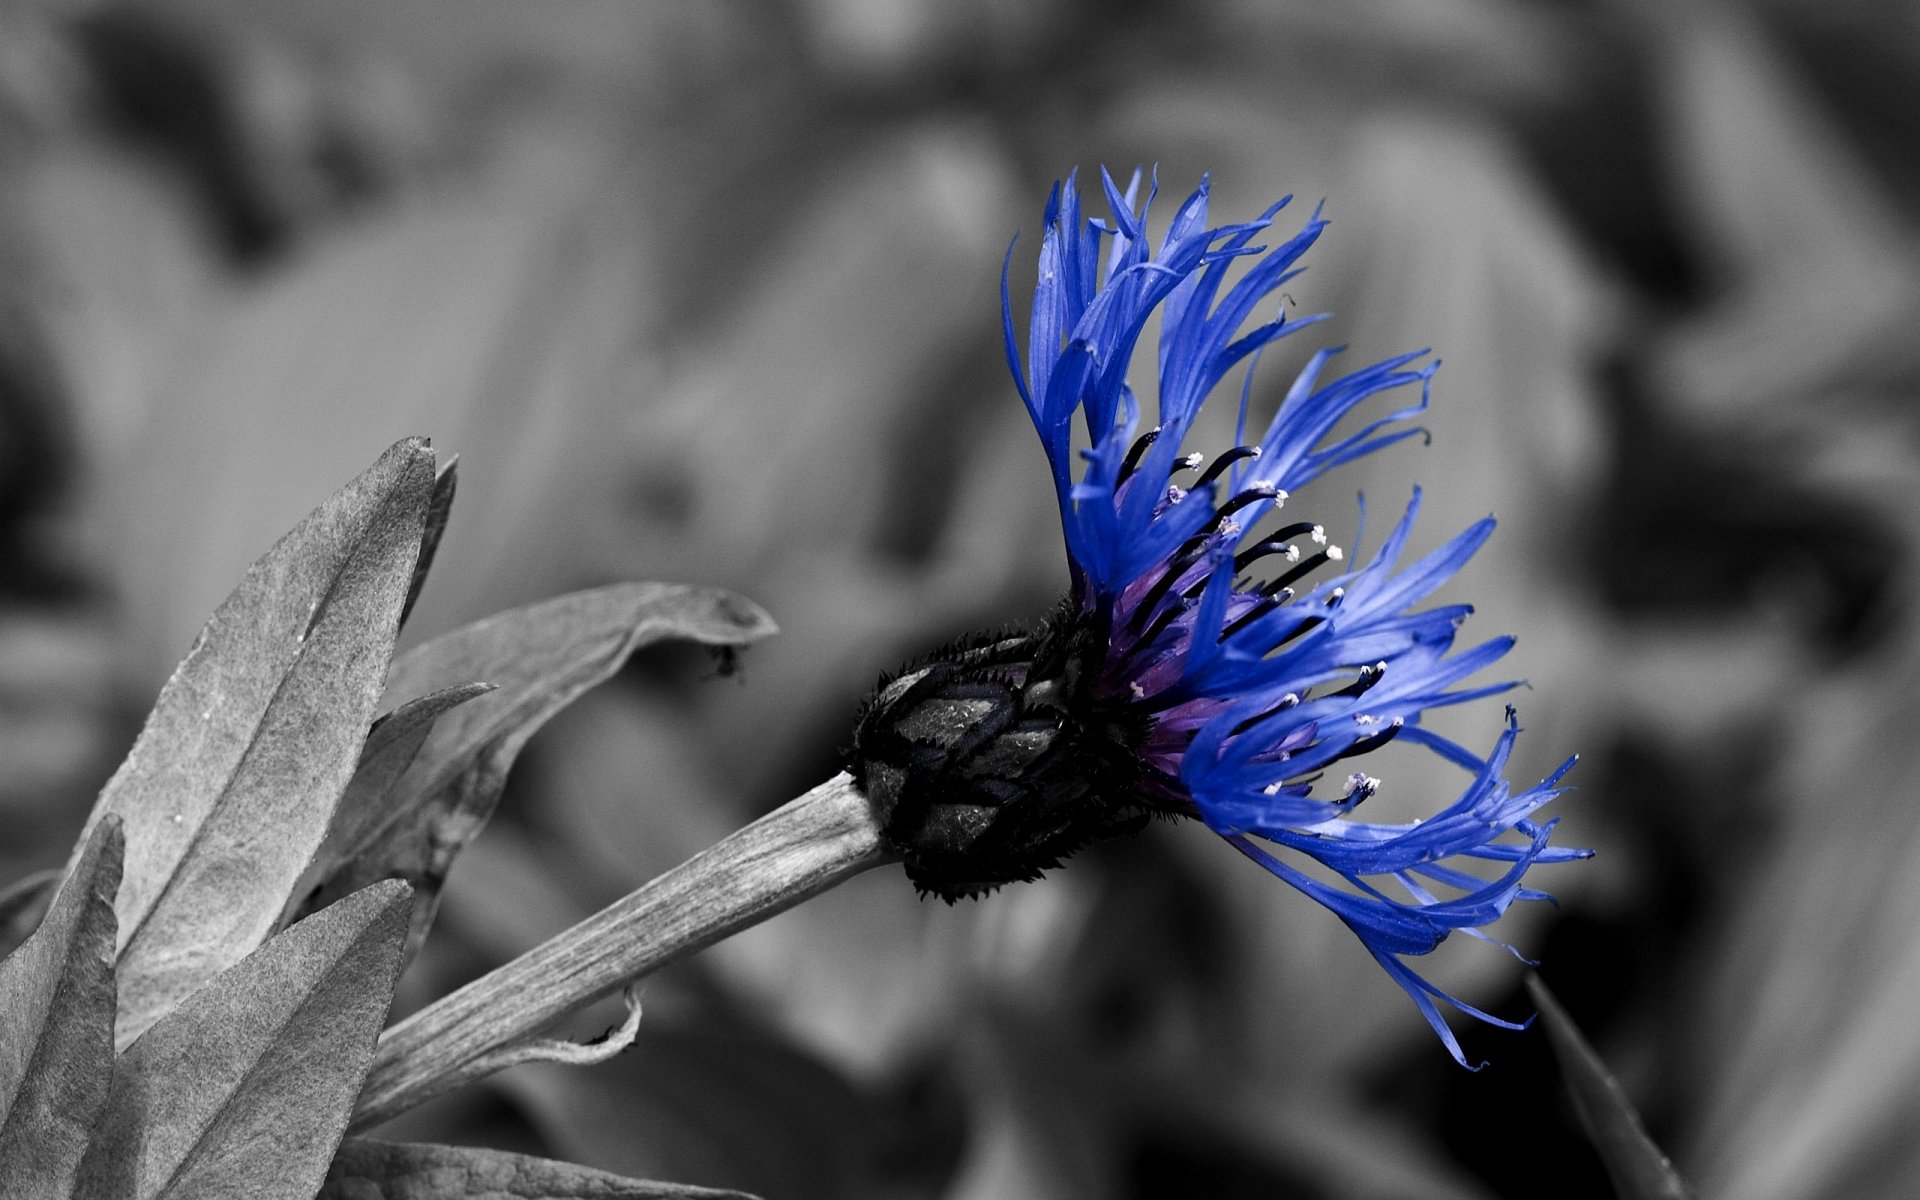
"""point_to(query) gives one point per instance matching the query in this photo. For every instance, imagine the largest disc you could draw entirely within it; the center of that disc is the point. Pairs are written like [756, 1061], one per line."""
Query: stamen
[1360, 686]
[1368, 745]
[1299, 629]
[1187, 462]
[1279, 706]
[1359, 787]
[1140, 444]
[1252, 495]
[1277, 544]
[1226, 460]
[1306, 567]
[1260, 608]
[1159, 626]
[1183, 558]
[1336, 596]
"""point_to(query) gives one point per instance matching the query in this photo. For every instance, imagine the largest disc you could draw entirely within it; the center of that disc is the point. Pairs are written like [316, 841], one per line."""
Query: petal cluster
[1257, 652]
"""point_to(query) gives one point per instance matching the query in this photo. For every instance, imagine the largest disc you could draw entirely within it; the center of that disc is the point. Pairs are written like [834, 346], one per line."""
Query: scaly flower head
[1213, 658]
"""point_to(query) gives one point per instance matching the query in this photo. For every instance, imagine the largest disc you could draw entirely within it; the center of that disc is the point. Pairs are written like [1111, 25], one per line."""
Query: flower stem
[798, 850]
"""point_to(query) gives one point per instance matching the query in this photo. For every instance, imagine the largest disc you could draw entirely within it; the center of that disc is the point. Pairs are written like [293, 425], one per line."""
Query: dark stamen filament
[1224, 461]
[1242, 499]
[1286, 702]
[1368, 677]
[1367, 745]
[1301, 569]
[1261, 608]
[1140, 444]
[1158, 627]
[1277, 544]
[1183, 558]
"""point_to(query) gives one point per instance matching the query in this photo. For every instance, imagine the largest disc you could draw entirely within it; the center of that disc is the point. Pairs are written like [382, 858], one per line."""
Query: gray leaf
[370, 1170]
[542, 657]
[229, 788]
[391, 747]
[439, 508]
[243, 1091]
[57, 1054]
[1638, 1169]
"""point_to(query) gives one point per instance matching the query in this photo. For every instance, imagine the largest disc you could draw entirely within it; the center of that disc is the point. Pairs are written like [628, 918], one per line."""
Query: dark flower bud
[991, 761]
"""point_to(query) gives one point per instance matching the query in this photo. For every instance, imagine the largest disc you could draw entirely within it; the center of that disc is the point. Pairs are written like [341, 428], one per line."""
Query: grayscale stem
[799, 850]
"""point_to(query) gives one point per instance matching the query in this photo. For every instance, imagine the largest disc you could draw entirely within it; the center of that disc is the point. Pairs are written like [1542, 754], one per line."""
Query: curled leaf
[541, 657]
[556, 1050]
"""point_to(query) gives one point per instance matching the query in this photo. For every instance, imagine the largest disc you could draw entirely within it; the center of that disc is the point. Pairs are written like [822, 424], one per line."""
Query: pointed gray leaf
[439, 508]
[56, 1049]
[391, 747]
[542, 657]
[229, 789]
[370, 1170]
[242, 1092]
[1638, 1168]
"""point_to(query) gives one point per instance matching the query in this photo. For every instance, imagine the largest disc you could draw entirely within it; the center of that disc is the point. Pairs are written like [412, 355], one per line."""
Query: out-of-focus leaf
[243, 1090]
[56, 994]
[1638, 1168]
[370, 1170]
[439, 509]
[230, 786]
[541, 657]
[1804, 1046]
[391, 747]
[725, 1109]
[1752, 152]
[22, 904]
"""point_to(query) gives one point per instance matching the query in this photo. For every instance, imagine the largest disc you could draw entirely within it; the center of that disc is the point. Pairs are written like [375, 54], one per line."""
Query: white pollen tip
[1272, 789]
[1365, 785]
[1139, 693]
[1319, 535]
[1230, 528]
[1191, 461]
[1293, 553]
[1253, 452]
[1335, 554]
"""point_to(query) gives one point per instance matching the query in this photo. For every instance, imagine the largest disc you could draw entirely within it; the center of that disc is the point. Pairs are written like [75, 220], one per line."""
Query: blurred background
[708, 292]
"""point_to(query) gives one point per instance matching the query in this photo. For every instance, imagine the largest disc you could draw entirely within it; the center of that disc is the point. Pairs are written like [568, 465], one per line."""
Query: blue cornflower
[1172, 680]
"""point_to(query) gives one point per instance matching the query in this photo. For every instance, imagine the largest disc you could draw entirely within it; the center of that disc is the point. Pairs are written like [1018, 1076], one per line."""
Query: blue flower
[1240, 694]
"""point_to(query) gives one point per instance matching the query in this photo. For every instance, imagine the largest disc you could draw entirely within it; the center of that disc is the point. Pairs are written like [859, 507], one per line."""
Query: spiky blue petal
[1253, 689]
